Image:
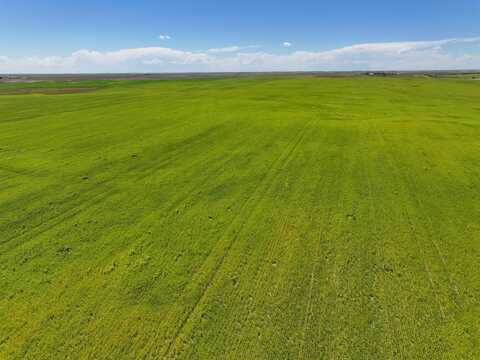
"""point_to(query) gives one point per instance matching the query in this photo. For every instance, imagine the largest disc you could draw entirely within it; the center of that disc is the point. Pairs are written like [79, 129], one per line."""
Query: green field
[242, 218]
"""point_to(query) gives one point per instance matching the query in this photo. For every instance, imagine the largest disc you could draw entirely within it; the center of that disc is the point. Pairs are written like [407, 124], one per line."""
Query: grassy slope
[247, 218]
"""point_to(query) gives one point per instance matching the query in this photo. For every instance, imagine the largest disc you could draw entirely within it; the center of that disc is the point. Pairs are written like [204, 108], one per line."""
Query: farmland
[240, 218]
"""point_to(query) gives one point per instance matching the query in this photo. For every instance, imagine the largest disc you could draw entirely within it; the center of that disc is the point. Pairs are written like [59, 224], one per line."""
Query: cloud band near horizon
[458, 53]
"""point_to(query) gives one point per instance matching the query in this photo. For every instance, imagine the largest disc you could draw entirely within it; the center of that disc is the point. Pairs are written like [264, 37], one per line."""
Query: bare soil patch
[46, 91]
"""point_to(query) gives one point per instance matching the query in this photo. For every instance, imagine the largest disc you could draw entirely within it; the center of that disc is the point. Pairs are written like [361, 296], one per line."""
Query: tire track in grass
[261, 275]
[426, 267]
[428, 271]
[74, 210]
[397, 336]
[268, 178]
[419, 205]
[40, 300]
[440, 256]
[308, 308]
[60, 219]
[453, 283]
[92, 200]
[389, 165]
[335, 336]
[430, 335]
[375, 132]
[325, 184]
[327, 225]
[48, 300]
[68, 213]
[166, 156]
[395, 169]
[259, 192]
[192, 190]
[218, 166]
[108, 181]
[410, 187]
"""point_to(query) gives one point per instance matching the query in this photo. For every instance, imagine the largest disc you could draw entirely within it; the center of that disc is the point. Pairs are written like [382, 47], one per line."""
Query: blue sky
[159, 36]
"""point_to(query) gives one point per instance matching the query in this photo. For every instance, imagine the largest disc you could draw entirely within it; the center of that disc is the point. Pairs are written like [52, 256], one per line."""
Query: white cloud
[287, 44]
[403, 47]
[228, 49]
[152, 62]
[419, 55]
[231, 49]
[164, 37]
[130, 55]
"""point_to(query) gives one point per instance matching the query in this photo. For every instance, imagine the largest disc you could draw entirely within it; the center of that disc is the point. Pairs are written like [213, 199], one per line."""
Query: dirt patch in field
[46, 91]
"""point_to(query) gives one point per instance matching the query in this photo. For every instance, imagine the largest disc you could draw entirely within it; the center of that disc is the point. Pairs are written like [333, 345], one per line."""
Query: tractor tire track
[327, 225]
[260, 191]
[410, 184]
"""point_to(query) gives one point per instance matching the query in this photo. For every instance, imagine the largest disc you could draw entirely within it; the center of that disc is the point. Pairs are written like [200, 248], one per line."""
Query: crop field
[240, 218]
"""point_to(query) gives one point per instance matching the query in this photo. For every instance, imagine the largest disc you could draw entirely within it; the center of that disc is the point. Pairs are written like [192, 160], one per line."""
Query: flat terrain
[245, 218]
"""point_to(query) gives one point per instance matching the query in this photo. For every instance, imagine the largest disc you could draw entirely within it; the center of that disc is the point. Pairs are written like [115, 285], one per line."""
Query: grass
[253, 218]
